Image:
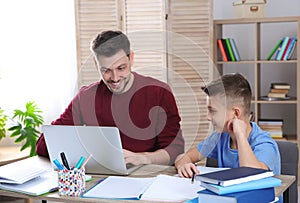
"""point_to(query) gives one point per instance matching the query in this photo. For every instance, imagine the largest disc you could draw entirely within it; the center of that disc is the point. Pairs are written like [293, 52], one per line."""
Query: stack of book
[279, 90]
[243, 184]
[228, 49]
[284, 49]
[273, 126]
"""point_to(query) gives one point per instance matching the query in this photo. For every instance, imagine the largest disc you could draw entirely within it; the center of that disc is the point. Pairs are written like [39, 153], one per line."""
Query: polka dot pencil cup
[71, 182]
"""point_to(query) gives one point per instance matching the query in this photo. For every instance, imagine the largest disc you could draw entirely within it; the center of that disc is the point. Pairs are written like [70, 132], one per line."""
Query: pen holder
[71, 182]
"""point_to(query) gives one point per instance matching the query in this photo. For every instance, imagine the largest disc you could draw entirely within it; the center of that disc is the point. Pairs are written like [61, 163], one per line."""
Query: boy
[239, 142]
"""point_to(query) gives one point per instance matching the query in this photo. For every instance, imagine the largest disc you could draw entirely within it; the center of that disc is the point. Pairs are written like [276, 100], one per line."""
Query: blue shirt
[263, 146]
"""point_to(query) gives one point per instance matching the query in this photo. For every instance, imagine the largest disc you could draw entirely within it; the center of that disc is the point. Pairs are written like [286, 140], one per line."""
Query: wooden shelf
[257, 67]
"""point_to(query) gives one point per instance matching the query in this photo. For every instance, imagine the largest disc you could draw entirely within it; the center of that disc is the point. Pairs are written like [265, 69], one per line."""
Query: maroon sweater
[146, 115]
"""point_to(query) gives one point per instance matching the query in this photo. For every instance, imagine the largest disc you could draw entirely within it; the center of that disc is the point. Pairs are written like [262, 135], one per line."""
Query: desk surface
[10, 154]
[144, 171]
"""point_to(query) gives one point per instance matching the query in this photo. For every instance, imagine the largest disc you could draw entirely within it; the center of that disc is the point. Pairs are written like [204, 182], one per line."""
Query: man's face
[218, 114]
[116, 71]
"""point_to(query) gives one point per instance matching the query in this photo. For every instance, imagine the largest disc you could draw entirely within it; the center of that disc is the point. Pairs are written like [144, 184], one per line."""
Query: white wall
[37, 55]
[271, 33]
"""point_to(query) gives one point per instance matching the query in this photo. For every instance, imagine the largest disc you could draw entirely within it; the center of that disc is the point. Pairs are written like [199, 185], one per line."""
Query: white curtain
[37, 55]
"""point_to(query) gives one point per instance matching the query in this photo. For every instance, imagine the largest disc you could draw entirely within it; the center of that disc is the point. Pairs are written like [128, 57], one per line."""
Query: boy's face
[218, 113]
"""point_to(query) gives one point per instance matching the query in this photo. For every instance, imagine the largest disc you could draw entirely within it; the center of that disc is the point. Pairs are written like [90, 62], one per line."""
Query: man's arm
[160, 156]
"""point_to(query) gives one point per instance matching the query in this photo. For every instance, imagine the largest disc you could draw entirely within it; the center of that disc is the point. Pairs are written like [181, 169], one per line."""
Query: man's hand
[135, 158]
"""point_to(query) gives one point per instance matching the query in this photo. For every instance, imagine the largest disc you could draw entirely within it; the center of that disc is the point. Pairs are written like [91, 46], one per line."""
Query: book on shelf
[286, 48]
[251, 185]
[279, 90]
[222, 50]
[274, 50]
[227, 40]
[234, 176]
[234, 49]
[265, 195]
[290, 49]
[252, 116]
[279, 85]
[226, 49]
[277, 95]
[279, 48]
[283, 46]
[270, 121]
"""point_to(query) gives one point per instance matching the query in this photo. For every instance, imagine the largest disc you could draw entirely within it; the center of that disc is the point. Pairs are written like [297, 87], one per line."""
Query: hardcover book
[229, 49]
[251, 185]
[234, 176]
[274, 49]
[222, 50]
[226, 50]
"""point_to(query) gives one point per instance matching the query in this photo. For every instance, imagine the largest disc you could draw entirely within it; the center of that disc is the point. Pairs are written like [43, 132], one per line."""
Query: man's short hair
[110, 42]
[235, 88]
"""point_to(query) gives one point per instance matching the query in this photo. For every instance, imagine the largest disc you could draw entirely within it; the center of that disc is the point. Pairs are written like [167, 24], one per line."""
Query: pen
[79, 163]
[64, 160]
[57, 164]
[193, 177]
[85, 162]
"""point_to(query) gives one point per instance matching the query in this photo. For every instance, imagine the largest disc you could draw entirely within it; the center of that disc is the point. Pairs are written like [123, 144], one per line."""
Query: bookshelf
[262, 72]
[257, 68]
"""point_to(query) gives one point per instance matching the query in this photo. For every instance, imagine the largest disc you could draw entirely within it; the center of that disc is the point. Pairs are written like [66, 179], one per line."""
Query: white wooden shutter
[145, 27]
[189, 36]
[186, 36]
[92, 17]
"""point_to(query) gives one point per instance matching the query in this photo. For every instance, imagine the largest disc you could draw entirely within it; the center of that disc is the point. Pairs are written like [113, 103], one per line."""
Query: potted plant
[25, 126]
[3, 119]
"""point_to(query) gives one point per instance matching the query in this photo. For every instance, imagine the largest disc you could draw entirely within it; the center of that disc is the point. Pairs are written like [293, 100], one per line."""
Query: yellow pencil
[85, 162]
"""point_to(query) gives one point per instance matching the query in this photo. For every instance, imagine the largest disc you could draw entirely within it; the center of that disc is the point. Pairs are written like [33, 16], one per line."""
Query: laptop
[103, 143]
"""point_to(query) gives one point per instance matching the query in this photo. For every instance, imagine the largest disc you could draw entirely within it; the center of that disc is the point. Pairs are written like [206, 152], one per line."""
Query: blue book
[251, 185]
[234, 49]
[266, 195]
[289, 48]
[283, 47]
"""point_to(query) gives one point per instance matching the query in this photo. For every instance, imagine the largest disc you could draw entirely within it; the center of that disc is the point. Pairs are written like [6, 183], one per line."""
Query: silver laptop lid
[103, 143]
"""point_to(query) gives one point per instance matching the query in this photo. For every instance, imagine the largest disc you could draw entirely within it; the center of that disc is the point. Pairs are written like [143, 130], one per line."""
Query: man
[144, 109]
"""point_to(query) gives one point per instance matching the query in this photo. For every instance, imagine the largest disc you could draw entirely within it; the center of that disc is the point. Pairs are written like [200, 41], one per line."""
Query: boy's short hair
[110, 42]
[235, 88]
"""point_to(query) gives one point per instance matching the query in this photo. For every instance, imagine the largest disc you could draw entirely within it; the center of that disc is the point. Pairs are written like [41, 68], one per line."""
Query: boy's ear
[237, 112]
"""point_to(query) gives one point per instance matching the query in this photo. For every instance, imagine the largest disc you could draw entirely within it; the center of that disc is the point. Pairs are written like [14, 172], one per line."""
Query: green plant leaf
[26, 126]
[3, 119]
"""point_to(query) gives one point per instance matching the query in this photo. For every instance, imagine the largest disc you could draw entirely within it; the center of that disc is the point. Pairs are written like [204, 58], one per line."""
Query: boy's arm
[185, 162]
[247, 156]
[245, 153]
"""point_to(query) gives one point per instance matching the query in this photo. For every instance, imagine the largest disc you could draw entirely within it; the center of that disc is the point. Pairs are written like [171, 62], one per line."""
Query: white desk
[145, 171]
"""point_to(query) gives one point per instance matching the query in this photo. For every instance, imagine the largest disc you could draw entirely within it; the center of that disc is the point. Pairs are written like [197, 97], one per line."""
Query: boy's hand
[187, 170]
[238, 127]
